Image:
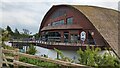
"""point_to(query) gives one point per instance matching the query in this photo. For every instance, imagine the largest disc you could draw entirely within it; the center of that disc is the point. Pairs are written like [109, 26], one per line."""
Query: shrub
[32, 50]
[62, 57]
[91, 57]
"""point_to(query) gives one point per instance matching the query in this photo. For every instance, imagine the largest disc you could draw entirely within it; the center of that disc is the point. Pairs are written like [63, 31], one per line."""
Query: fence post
[16, 58]
[1, 60]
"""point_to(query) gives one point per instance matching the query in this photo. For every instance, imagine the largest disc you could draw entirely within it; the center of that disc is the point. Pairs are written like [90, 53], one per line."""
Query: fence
[16, 63]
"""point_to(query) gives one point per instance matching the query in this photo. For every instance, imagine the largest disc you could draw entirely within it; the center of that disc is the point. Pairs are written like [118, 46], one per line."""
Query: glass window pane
[57, 23]
[69, 20]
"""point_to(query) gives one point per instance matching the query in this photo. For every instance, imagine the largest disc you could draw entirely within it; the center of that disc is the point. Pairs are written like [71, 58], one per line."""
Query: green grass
[38, 62]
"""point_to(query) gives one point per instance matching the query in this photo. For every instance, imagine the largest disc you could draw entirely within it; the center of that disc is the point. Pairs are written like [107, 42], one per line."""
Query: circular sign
[83, 35]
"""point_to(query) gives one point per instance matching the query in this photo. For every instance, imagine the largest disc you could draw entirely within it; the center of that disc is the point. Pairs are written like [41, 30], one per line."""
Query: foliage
[36, 35]
[7, 47]
[16, 31]
[26, 31]
[91, 57]
[24, 36]
[32, 50]
[5, 36]
[62, 57]
[16, 34]
[38, 62]
[9, 30]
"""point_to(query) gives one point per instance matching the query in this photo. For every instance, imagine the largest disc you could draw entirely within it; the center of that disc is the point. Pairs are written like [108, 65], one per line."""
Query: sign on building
[83, 36]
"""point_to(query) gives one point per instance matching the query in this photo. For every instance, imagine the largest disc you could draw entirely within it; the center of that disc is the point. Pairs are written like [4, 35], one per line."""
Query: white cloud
[59, 0]
[29, 13]
[17, 17]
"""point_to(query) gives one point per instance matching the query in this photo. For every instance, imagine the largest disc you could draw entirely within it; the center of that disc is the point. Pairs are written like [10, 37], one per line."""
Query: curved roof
[104, 20]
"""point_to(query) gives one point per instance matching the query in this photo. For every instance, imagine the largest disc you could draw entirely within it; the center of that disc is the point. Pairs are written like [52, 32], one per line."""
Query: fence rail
[18, 54]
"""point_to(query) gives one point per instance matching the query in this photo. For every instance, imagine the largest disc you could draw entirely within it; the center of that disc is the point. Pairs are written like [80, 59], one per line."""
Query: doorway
[90, 39]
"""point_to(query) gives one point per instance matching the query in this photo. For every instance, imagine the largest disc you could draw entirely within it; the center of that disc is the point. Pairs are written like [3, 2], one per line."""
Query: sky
[28, 14]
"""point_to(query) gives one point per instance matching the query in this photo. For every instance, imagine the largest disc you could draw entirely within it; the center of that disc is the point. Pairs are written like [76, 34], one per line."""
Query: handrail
[64, 63]
[52, 43]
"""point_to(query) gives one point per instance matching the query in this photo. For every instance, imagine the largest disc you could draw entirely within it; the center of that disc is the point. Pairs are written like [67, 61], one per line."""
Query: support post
[57, 55]
[16, 57]
[62, 36]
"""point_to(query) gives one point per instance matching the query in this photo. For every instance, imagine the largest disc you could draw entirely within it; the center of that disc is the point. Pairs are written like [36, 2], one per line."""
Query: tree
[4, 36]
[26, 31]
[16, 34]
[9, 30]
[32, 50]
[16, 31]
[36, 36]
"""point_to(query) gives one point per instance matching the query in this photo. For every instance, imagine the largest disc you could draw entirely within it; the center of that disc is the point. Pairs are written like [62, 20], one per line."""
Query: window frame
[69, 20]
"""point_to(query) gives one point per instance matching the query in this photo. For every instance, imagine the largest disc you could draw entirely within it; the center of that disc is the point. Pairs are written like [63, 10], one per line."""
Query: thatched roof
[105, 21]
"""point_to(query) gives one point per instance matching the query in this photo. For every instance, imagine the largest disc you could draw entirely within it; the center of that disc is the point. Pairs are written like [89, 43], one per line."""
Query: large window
[54, 36]
[57, 23]
[69, 21]
[59, 12]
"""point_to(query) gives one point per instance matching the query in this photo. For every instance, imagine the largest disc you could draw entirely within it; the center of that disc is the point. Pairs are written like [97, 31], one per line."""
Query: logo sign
[83, 35]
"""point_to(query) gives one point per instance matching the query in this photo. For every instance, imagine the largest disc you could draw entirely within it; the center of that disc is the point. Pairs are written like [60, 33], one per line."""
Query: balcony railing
[51, 43]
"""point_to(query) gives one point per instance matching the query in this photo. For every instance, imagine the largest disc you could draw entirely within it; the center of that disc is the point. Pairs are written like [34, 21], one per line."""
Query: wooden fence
[16, 63]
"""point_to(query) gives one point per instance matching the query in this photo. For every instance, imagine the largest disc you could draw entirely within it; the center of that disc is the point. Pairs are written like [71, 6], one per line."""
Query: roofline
[56, 6]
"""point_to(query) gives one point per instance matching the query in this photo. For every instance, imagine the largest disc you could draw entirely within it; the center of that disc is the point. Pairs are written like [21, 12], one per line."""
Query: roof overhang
[62, 27]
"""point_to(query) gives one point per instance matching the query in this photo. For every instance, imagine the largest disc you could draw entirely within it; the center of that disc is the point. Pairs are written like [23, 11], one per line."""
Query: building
[64, 24]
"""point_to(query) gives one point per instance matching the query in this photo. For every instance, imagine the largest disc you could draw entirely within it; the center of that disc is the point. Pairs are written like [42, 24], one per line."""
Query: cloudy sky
[28, 14]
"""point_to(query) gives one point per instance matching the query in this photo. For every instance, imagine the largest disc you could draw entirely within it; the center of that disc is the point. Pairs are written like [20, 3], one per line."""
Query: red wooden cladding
[78, 19]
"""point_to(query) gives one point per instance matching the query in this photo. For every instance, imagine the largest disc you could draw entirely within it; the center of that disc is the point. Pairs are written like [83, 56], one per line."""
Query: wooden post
[16, 58]
[1, 60]
[62, 36]
[57, 55]
[5, 60]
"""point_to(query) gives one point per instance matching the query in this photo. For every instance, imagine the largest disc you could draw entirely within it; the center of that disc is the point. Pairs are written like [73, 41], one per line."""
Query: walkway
[52, 45]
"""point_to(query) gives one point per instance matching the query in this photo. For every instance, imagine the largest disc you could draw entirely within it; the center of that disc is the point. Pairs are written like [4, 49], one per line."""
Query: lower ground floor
[71, 36]
[72, 54]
